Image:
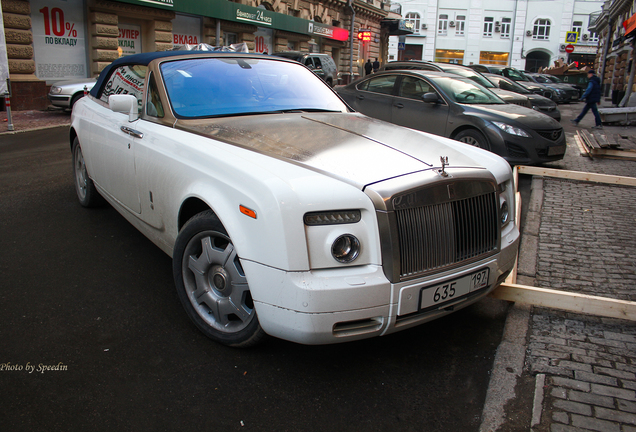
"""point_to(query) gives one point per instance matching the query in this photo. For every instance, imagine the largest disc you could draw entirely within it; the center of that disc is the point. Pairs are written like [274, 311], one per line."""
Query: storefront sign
[186, 30]
[230, 11]
[630, 24]
[263, 41]
[58, 39]
[129, 39]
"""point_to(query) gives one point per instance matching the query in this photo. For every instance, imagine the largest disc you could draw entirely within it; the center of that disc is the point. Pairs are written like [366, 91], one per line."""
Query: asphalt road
[83, 292]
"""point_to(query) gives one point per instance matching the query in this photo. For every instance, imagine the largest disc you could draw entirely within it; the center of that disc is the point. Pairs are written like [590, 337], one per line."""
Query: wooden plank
[578, 175]
[601, 139]
[586, 142]
[582, 147]
[568, 301]
[589, 139]
[615, 154]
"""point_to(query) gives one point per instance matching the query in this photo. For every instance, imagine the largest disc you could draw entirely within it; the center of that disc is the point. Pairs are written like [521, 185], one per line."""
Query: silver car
[64, 94]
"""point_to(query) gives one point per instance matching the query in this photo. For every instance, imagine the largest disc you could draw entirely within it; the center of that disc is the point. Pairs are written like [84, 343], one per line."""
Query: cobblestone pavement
[584, 367]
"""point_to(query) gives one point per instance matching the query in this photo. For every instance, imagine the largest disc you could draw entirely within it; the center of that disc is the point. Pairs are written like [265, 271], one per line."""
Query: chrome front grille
[438, 236]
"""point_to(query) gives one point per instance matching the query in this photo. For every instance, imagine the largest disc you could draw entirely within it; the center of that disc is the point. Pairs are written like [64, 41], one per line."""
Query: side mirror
[126, 104]
[430, 97]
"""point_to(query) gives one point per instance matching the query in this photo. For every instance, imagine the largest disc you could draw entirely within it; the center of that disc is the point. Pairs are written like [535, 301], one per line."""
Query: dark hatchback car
[507, 96]
[516, 75]
[564, 93]
[538, 102]
[458, 108]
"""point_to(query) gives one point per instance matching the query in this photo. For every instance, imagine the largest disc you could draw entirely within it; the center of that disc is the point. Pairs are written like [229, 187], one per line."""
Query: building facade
[616, 25]
[53, 40]
[522, 34]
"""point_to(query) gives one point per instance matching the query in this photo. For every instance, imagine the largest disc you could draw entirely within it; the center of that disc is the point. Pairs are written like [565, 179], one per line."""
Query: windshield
[510, 85]
[554, 79]
[515, 74]
[471, 74]
[465, 91]
[228, 86]
[542, 79]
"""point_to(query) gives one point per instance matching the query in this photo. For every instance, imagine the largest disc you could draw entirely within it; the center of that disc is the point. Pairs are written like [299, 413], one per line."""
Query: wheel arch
[72, 135]
[189, 208]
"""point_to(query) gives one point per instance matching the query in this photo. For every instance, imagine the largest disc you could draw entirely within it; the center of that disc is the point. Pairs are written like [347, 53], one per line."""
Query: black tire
[211, 283]
[84, 187]
[474, 138]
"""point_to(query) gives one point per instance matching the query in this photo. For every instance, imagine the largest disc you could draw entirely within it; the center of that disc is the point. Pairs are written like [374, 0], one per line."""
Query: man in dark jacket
[368, 67]
[592, 96]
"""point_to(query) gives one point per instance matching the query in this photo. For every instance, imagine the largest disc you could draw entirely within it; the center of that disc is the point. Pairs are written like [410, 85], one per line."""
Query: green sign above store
[229, 11]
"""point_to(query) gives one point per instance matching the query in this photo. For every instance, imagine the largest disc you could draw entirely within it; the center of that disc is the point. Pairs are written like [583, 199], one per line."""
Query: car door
[408, 108]
[374, 97]
[114, 138]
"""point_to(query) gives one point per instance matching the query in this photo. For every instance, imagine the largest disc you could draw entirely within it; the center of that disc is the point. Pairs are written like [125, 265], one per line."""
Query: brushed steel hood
[352, 147]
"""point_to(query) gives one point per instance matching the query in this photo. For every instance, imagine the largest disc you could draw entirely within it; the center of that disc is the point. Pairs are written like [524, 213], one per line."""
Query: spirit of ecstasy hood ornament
[444, 160]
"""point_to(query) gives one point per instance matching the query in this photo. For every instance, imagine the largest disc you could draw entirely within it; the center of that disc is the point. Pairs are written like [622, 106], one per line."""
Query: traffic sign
[569, 49]
[571, 37]
[401, 46]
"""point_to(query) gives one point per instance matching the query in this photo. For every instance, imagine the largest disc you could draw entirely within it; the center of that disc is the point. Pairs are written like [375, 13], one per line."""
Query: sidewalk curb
[511, 353]
[33, 129]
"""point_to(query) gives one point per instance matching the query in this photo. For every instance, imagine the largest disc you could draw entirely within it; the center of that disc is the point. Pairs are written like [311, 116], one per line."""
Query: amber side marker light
[247, 212]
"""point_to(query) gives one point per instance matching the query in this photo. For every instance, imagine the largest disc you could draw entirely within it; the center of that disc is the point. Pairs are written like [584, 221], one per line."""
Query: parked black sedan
[539, 103]
[458, 108]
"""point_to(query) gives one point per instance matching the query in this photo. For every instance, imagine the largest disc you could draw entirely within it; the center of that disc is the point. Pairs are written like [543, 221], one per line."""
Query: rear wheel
[211, 283]
[474, 138]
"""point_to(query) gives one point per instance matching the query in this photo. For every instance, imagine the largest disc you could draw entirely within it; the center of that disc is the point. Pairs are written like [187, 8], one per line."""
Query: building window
[492, 57]
[413, 18]
[505, 28]
[577, 26]
[460, 25]
[541, 29]
[442, 27]
[488, 26]
[449, 56]
[593, 37]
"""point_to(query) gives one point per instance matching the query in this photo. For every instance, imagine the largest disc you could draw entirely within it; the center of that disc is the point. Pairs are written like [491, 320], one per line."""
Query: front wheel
[211, 283]
[474, 138]
[84, 186]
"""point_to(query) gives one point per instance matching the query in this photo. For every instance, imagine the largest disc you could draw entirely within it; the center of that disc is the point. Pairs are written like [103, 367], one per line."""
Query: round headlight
[346, 248]
[505, 214]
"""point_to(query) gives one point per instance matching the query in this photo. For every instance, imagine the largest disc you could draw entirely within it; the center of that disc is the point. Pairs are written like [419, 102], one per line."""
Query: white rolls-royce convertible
[285, 212]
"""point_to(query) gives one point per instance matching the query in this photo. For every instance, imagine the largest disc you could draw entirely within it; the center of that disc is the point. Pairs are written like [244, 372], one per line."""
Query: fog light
[346, 248]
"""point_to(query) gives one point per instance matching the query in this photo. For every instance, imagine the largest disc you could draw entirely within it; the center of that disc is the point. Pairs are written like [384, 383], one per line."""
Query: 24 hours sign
[58, 39]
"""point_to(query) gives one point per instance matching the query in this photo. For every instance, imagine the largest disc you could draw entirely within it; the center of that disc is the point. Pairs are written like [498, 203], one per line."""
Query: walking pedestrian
[368, 67]
[592, 96]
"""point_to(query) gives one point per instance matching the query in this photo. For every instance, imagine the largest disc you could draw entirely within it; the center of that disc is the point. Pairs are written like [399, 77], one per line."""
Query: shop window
[230, 38]
[494, 58]
[449, 56]
[488, 26]
[541, 30]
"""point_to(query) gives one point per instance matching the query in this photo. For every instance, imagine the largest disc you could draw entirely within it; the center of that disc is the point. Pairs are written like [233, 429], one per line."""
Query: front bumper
[63, 101]
[527, 151]
[332, 306]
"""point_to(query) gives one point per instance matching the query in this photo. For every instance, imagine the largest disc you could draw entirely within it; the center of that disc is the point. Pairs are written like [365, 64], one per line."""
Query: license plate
[556, 150]
[456, 288]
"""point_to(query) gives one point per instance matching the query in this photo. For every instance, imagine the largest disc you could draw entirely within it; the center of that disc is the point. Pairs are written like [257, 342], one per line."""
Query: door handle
[360, 97]
[399, 105]
[132, 132]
